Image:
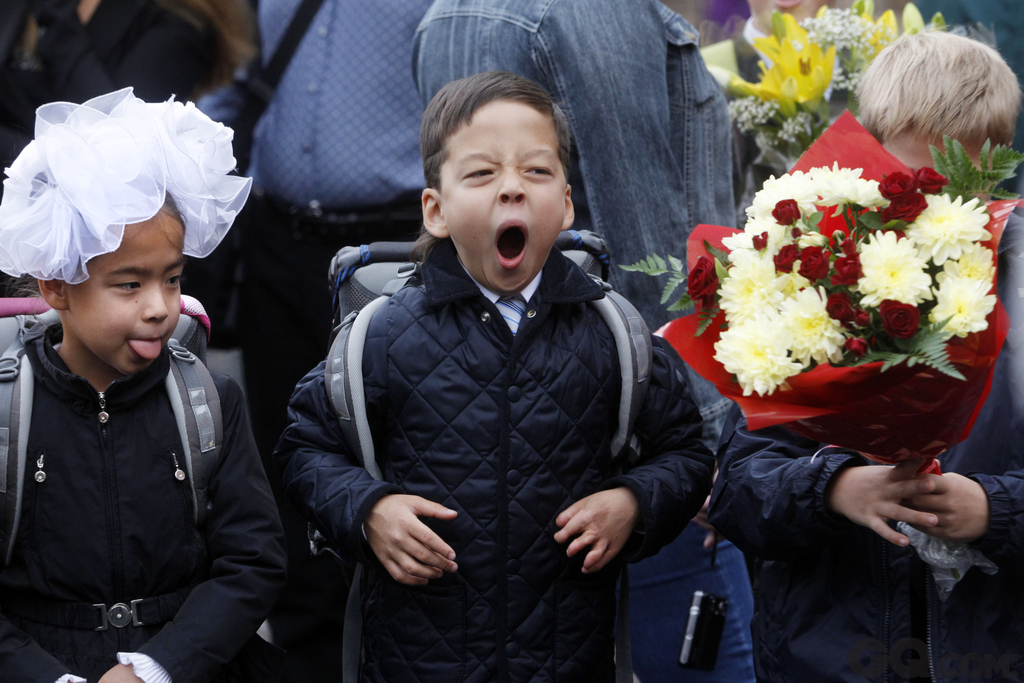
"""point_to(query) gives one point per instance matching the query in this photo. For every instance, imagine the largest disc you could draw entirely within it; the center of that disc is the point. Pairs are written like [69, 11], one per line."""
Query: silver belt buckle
[119, 615]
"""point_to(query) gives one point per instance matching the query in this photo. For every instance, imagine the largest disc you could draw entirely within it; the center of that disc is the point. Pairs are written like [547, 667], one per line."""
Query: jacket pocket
[418, 633]
[584, 623]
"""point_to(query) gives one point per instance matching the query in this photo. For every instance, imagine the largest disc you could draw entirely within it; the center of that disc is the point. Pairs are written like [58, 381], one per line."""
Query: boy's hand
[701, 519]
[959, 503]
[407, 548]
[121, 674]
[603, 521]
[871, 496]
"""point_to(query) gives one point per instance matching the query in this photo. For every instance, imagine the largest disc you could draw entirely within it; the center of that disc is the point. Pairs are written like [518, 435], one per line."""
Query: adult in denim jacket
[652, 159]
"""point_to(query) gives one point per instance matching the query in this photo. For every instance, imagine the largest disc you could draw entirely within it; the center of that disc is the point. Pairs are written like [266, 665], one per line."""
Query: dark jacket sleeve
[1003, 543]
[769, 498]
[170, 57]
[245, 544]
[321, 472]
[23, 659]
[673, 476]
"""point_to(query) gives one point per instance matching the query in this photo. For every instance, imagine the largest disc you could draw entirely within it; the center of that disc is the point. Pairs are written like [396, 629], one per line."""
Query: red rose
[786, 212]
[848, 270]
[897, 184]
[906, 207]
[840, 307]
[796, 233]
[849, 247]
[814, 263]
[702, 283]
[856, 346]
[786, 257]
[899, 319]
[930, 181]
[760, 241]
[862, 318]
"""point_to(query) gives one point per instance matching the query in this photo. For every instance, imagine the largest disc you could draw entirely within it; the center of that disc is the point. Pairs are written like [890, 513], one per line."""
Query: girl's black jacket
[111, 523]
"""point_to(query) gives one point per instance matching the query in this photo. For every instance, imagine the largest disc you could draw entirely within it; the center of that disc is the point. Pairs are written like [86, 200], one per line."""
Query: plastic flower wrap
[857, 306]
[821, 58]
[96, 167]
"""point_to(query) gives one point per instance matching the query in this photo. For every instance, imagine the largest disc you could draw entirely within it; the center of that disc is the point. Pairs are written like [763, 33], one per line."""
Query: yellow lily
[798, 75]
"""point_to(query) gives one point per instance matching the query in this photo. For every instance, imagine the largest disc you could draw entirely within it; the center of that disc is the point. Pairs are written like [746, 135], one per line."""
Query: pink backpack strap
[191, 306]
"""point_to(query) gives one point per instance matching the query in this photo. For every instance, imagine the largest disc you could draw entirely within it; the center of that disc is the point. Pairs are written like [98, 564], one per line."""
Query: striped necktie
[512, 309]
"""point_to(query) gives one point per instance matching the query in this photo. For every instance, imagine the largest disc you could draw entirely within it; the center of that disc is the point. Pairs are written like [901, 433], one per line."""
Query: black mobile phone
[703, 631]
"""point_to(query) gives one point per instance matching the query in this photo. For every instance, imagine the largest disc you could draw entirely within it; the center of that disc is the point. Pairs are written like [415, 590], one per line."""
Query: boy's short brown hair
[455, 104]
[928, 85]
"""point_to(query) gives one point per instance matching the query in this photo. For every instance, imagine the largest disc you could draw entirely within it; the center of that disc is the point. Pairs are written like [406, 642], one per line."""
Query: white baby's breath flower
[750, 113]
[795, 186]
[976, 264]
[816, 335]
[757, 353]
[752, 287]
[948, 227]
[844, 28]
[893, 269]
[966, 302]
[841, 186]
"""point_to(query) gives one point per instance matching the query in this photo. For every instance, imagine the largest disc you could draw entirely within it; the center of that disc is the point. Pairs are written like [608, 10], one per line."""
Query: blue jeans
[661, 589]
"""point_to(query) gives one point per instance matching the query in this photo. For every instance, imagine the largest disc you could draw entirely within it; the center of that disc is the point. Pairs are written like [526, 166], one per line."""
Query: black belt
[97, 617]
[387, 222]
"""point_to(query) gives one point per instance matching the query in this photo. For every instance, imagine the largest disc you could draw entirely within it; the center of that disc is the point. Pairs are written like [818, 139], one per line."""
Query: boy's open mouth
[511, 245]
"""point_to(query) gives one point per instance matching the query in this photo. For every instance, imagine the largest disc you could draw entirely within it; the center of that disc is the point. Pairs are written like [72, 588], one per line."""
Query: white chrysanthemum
[756, 227]
[966, 302]
[757, 353]
[816, 335]
[976, 264]
[948, 227]
[792, 283]
[795, 186]
[841, 186]
[893, 269]
[812, 239]
[751, 288]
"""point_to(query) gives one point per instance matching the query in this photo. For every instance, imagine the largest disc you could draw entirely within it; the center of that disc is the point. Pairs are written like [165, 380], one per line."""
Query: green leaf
[682, 304]
[671, 286]
[652, 265]
[778, 26]
[720, 270]
[720, 254]
[927, 347]
[676, 264]
[995, 164]
[938, 21]
[872, 220]
[705, 316]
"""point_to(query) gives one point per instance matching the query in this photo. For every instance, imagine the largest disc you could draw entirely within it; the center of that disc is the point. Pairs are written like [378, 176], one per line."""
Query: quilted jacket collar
[562, 282]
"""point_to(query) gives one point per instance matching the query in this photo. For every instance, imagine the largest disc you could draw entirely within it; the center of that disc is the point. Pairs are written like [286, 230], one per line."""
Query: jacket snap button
[485, 316]
[512, 649]
[513, 477]
[512, 566]
[514, 394]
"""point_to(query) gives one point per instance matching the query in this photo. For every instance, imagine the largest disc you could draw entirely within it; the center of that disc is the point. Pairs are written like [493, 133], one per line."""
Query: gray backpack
[190, 388]
[363, 279]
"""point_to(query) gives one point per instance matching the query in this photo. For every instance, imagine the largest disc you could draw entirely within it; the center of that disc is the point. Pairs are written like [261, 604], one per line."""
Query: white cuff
[70, 678]
[145, 667]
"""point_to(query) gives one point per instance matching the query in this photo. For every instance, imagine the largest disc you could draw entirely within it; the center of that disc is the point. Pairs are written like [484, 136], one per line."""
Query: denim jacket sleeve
[769, 498]
[321, 473]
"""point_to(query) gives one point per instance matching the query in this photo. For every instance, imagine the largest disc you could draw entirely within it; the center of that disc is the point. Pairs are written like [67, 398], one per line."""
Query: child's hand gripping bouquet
[858, 306]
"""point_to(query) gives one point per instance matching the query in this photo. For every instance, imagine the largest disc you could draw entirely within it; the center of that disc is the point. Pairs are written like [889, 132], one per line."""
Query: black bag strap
[261, 82]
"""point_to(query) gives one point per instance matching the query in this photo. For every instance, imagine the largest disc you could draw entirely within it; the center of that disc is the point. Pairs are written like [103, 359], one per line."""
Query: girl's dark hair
[454, 106]
[234, 28]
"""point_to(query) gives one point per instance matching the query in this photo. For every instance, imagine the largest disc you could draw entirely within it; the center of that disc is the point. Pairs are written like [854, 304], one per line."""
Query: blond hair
[928, 85]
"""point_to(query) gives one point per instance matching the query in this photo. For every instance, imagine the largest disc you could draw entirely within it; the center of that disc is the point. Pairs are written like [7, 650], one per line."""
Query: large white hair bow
[95, 167]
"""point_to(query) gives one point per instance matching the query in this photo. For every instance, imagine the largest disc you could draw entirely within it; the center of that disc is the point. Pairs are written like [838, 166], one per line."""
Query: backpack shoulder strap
[196, 406]
[17, 386]
[344, 379]
[633, 345]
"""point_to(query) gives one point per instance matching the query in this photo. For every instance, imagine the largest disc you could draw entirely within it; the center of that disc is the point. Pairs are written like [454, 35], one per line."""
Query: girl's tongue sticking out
[147, 348]
[511, 246]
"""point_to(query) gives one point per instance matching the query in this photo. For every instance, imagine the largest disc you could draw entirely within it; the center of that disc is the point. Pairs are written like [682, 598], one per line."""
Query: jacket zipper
[114, 518]
[928, 580]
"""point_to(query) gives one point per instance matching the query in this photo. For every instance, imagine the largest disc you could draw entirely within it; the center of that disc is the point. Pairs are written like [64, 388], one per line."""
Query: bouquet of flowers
[822, 58]
[858, 305]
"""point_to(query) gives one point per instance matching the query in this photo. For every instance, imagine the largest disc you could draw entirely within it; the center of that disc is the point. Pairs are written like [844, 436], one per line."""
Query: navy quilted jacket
[508, 431]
